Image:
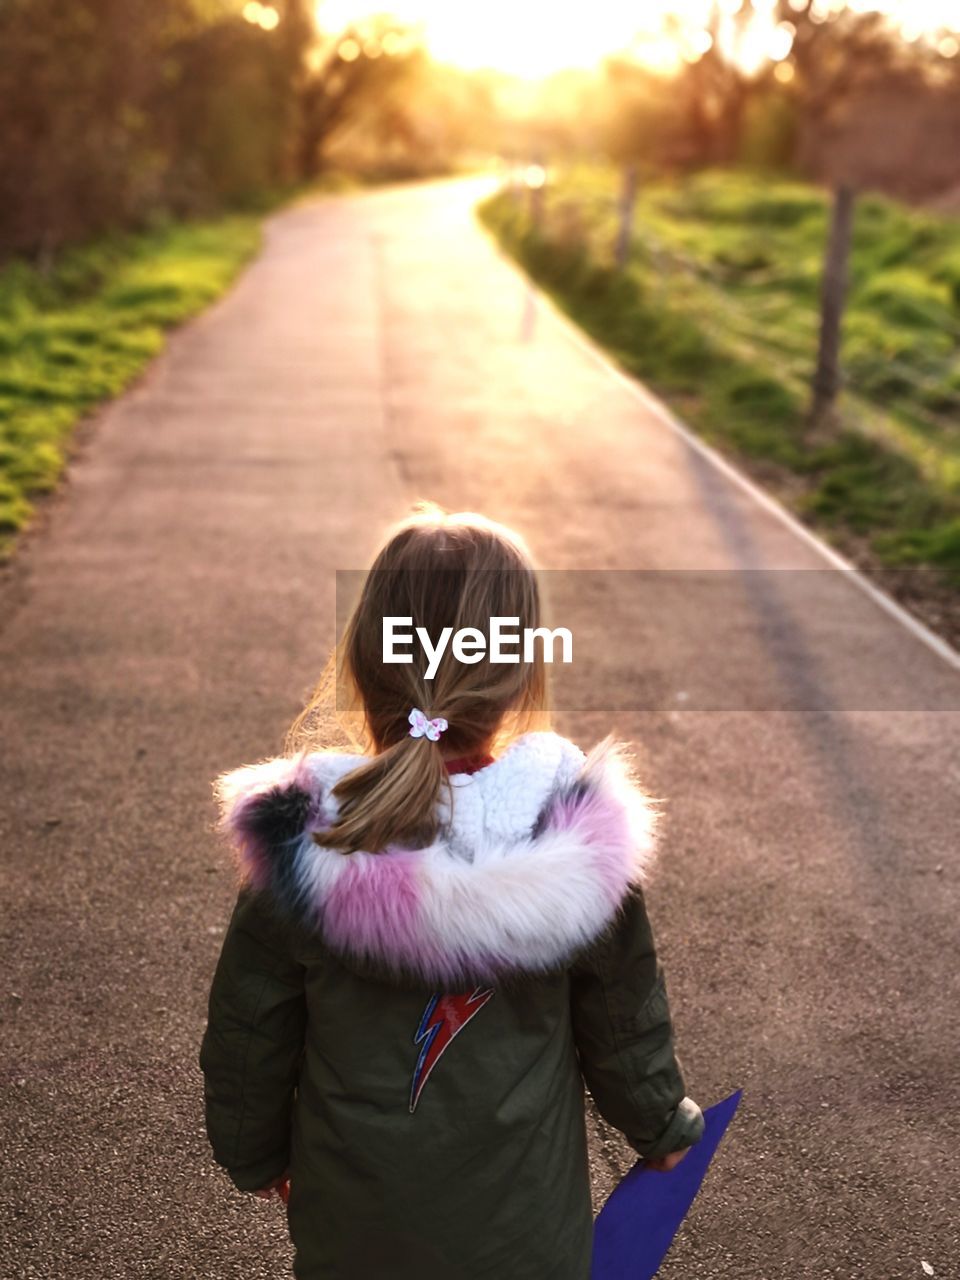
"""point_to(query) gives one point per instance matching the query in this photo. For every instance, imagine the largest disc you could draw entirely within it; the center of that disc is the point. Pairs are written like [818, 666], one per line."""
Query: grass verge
[78, 332]
[717, 312]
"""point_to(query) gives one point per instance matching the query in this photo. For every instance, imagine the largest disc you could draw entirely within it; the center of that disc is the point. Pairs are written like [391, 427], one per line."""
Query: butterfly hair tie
[421, 727]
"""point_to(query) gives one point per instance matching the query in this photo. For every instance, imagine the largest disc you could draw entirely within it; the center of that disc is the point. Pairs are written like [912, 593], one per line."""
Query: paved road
[178, 605]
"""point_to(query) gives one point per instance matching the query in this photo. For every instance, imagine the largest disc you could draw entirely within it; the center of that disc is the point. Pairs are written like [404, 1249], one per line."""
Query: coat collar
[536, 853]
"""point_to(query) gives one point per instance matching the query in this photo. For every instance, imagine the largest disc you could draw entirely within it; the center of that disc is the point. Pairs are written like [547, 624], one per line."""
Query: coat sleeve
[251, 1049]
[624, 1037]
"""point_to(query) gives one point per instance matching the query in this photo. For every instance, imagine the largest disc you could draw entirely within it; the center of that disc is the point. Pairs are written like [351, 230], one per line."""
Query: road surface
[178, 603]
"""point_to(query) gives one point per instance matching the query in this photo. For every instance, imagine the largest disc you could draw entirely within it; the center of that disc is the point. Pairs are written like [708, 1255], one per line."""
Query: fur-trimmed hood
[535, 855]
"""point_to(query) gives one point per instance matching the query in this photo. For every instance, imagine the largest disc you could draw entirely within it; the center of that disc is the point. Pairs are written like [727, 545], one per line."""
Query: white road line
[659, 410]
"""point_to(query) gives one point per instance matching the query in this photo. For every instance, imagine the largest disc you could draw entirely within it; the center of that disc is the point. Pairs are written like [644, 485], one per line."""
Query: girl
[434, 945]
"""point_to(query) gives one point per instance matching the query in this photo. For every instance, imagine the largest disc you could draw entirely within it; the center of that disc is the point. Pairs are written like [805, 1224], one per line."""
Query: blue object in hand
[637, 1225]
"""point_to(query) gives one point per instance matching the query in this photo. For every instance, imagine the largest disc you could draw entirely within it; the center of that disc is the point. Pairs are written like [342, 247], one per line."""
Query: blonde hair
[442, 570]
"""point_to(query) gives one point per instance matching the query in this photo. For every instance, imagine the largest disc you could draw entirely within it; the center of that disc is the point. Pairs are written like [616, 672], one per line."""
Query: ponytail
[392, 799]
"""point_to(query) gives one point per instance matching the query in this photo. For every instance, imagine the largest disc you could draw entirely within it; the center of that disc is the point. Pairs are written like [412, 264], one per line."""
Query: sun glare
[532, 38]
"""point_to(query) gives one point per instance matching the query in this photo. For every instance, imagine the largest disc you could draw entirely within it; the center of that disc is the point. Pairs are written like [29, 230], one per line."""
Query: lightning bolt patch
[443, 1019]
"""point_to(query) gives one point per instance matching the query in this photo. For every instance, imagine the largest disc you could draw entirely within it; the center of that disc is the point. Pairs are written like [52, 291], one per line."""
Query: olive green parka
[409, 1033]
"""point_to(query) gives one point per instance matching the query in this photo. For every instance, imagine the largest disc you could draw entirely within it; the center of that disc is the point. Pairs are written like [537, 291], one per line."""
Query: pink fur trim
[374, 907]
[527, 903]
[615, 821]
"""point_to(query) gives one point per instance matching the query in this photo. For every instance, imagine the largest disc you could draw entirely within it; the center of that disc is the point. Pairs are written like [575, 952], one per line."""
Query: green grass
[717, 310]
[77, 333]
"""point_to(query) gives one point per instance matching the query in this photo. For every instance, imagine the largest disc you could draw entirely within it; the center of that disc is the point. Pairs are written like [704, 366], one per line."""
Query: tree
[691, 117]
[111, 110]
[227, 107]
[836, 59]
[873, 108]
[358, 66]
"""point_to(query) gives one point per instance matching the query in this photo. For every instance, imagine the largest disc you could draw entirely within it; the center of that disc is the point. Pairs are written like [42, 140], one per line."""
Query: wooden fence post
[514, 179]
[536, 182]
[628, 201]
[828, 377]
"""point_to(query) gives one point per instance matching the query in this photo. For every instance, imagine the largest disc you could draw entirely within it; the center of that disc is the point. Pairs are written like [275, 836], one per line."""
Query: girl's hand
[279, 1185]
[663, 1164]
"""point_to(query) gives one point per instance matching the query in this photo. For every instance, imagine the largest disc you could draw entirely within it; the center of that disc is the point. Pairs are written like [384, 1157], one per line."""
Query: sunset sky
[534, 37]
